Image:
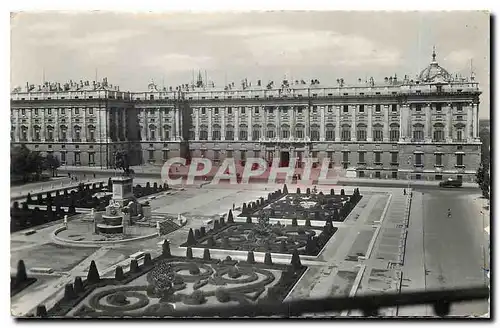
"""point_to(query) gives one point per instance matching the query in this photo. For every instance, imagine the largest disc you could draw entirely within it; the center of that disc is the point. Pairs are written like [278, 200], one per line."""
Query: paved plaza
[365, 255]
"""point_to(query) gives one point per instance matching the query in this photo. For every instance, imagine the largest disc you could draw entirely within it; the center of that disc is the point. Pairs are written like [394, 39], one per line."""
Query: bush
[282, 247]
[267, 259]
[93, 274]
[197, 234]
[21, 275]
[78, 285]
[225, 242]
[308, 191]
[222, 295]
[294, 222]
[119, 273]
[194, 269]
[308, 223]
[134, 266]
[249, 219]
[230, 218]
[244, 208]
[197, 297]
[202, 232]
[147, 259]
[166, 249]
[342, 192]
[41, 311]
[210, 241]
[206, 254]
[191, 240]
[298, 191]
[69, 293]
[233, 273]
[189, 253]
[250, 257]
[295, 262]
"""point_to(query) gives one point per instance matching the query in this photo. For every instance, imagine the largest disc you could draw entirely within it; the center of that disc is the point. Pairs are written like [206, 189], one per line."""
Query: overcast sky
[133, 49]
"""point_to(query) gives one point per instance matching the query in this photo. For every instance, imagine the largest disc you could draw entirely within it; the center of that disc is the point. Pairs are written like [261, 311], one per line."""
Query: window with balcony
[91, 111]
[152, 135]
[91, 158]
[285, 131]
[438, 132]
[256, 110]
[203, 132]
[216, 135]
[63, 157]
[315, 132]
[77, 111]
[151, 155]
[439, 107]
[299, 131]
[315, 109]
[394, 132]
[50, 133]
[77, 158]
[216, 111]
[49, 111]
[271, 131]
[23, 111]
[299, 110]
[229, 110]
[36, 111]
[270, 110]
[378, 132]
[330, 132]
[345, 156]
[418, 132]
[229, 132]
[243, 133]
[361, 132]
[418, 107]
[166, 132]
[284, 110]
[256, 132]
[242, 110]
[330, 109]
[345, 134]
[460, 134]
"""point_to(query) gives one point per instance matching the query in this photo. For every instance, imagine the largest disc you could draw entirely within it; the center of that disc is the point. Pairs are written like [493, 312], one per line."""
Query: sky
[133, 49]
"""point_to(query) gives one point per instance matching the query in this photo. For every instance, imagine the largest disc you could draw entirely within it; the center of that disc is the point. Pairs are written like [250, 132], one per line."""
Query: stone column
[447, 125]
[56, 124]
[69, 131]
[264, 124]
[338, 128]
[144, 134]
[223, 123]
[250, 129]
[209, 112]
[428, 123]
[322, 123]
[197, 123]
[353, 123]
[236, 124]
[43, 127]
[161, 130]
[475, 119]
[278, 122]
[468, 127]
[292, 121]
[177, 124]
[117, 124]
[84, 125]
[308, 122]
[386, 123]
[369, 136]
[403, 122]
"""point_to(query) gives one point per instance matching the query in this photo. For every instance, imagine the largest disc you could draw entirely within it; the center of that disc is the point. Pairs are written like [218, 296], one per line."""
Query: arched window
[203, 132]
[36, 129]
[285, 131]
[314, 132]
[152, 132]
[418, 132]
[361, 132]
[216, 132]
[438, 132]
[299, 131]
[50, 133]
[24, 133]
[243, 131]
[229, 132]
[378, 132]
[256, 132]
[394, 132]
[346, 132]
[166, 132]
[91, 133]
[63, 133]
[271, 131]
[330, 132]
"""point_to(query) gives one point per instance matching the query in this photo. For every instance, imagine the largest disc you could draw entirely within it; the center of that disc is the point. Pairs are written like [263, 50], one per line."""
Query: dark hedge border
[63, 306]
[212, 233]
[15, 289]
[261, 207]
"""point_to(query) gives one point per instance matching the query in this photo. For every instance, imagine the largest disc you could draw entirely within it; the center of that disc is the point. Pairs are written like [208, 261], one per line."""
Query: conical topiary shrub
[285, 189]
[210, 241]
[342, 192]
[189, 253]
[295, 262]
[21, 275]
[230, 218]
[166, 249]
[206, 254]
[282, 247]
[332, 191]
[308, 191]
[197, 234]
[119, 273]
[267, 259]
[147, 259]
[298, 191]
[41, 311]
[250, 257]
[93, 275]
[308, 223]
[78, 285]
[203, 232]
[216, 225]
[191, 240]
[244, 208]
[294, 222]
[225, 242]
[69, 293]
[249, 219]
[222, 222]
[134, 266]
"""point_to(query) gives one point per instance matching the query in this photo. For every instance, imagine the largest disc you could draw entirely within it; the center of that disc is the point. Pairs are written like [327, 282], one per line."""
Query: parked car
[451, 183]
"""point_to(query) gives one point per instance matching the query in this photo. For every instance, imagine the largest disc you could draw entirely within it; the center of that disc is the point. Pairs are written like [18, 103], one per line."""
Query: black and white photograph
[250, 164]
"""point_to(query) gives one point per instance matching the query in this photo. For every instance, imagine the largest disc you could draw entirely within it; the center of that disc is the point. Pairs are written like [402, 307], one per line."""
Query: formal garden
[24, 217]
[308, 205]
[177, 286]
[261, 236]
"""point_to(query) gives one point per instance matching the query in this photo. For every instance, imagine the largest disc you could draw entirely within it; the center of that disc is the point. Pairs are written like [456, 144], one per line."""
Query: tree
[250, 257]
[24, 162]
[119, 273]
[230, 218]
[191, 240]
[166, 249]
[78, 285]
[267, 259]
[206, 254]
[93, 275]
[52, 163]
[483, 179]
[21, 275]
[295, 262]
[285, 190]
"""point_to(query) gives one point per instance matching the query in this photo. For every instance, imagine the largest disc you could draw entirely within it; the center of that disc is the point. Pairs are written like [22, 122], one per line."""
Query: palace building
[422, 128]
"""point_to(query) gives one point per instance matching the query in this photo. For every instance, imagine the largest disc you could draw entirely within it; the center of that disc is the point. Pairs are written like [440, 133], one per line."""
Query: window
[345, 156]
[285, 131]
[330, 154]
[50, 134]
[229, 132]
[377, 108]
[361, 155]
[166, 132]
[361, 108]
[330, 132]
[229, 110]
[77, 158]
[91, 111]
[216, 111]
[459, 177]
[229, 154]
[378, 132]
[270, 110]
[152, 135]
[285, 110]
[460, 159]
[394, 175]
[346, 133]
[299, 110]
[242, 110]
[36, 111]
[256, 132]
[91, 158]
[314, 132]
[49, 111]
[192, 134]
[203, 111]
[203, 132]
[459, 118]
[151, 155]
[438, 134]
[418, 176]
[91, 135]
[243, 132]
[394, 108]
[439, 88]
[271, 131]
[361, 174]
[256, 110]
[438, 177]
[345, 109]
[460, 107]
[439, 159]
[377, 157]
[314, 154]
[418, 132]
[438, 107]
[418, 107]
[299, 131]
[315, 109]
[63, 157]
[330, 108]
[216, 132]
[77, 111]
[256, 153]
[23, 111]
[377, 174]
[418, 159]
[460, 134]
[243, 155]
[394, 157]
[361, 132]
[394, 132]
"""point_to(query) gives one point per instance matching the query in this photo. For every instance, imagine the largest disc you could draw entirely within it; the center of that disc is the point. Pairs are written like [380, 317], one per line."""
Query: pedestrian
[69, 175]
[404, 191]
[94, 175]
[83, 175]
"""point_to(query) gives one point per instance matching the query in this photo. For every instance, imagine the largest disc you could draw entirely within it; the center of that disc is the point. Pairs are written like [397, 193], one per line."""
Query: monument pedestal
[122, 190]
